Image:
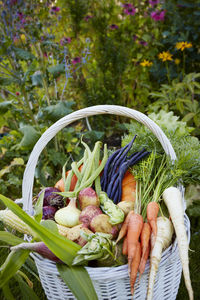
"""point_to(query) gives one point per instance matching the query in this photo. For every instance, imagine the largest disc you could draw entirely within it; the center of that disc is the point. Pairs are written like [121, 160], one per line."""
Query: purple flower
[127, 5]
[13, 2]
[158, 15]
[143, 43]
[76, 60]
[20, 15]
[55, 9]
[65, 40]
[130, 11]
[152, 3]
[135, 37]
[88, 17]
[114, 26]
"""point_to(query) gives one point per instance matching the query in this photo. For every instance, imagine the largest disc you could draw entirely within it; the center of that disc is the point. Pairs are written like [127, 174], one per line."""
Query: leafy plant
[182, 97]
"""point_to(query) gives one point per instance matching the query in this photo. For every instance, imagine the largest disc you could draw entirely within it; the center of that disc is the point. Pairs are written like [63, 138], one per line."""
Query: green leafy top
[186, 146]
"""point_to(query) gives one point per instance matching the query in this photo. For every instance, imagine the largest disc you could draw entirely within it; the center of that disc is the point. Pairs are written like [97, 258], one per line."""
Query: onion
[68, 216]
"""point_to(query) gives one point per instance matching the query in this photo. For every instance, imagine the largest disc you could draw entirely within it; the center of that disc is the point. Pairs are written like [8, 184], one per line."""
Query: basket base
[165, 288]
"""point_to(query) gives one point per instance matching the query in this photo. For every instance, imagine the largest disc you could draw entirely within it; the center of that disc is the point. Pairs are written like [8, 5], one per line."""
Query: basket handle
[28, 178]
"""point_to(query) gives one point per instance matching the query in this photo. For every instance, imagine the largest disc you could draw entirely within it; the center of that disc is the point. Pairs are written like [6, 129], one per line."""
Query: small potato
[126, 206]
[74, 234]
[101, 223]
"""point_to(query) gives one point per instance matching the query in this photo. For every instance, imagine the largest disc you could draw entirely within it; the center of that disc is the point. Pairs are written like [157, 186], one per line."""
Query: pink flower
[152, 3]
[76, 60]
[130, 11]
[158, 15]
[65, 40]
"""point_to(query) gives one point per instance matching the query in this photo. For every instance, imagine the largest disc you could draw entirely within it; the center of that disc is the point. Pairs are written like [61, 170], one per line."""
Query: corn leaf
[7, 292]
[78, 281]
[62, 247]
[12, 264]
[10, 238]
[39, 208]
[50, 224]
[26, 291]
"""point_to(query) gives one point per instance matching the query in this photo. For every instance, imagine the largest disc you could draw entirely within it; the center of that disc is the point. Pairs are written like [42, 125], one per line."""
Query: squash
[128, 187]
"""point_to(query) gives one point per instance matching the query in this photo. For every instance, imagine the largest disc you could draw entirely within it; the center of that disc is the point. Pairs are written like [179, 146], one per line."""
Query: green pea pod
[115, 213]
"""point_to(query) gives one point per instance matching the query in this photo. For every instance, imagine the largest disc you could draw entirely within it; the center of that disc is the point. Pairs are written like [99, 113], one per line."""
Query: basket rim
[28, 178]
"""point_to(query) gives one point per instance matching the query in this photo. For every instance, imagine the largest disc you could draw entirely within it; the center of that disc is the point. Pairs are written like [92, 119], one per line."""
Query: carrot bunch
[136, 244]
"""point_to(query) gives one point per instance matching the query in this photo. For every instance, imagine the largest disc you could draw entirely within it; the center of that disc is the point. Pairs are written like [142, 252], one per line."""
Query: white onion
[68, 216]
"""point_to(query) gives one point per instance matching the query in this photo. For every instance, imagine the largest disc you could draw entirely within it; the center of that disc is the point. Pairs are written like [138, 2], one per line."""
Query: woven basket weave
[110, 283]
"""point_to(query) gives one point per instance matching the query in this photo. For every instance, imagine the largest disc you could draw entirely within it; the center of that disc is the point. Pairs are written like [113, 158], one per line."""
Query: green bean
[96, 173]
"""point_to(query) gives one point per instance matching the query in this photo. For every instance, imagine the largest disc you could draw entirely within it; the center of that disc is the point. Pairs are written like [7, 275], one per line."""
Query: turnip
[88, 196]
[164, 235]
[88, 213]
[100, 223]
[173, 200]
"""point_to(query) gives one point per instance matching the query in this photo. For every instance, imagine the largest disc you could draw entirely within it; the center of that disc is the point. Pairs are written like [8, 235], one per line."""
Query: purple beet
[49, 212]
[52, 199]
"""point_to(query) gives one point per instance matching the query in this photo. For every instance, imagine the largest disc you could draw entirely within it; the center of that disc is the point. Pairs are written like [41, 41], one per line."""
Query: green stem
[168, 73]
[43, 71]
[183, 63]
[28, 106]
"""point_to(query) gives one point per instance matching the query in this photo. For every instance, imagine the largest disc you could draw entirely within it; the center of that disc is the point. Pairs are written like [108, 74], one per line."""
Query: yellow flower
[146, 63]
[177, 61]
[183, 45]
[165, 55]
[23, 37]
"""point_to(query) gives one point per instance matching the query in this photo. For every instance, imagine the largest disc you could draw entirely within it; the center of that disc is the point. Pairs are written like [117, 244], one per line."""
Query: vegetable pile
[108, 211]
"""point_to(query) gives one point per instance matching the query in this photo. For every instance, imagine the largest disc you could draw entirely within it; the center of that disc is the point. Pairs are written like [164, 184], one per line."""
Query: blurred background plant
[60, 56]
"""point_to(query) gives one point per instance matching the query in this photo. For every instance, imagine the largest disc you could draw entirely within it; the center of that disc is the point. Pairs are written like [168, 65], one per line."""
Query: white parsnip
[173, 200]
[163, 239]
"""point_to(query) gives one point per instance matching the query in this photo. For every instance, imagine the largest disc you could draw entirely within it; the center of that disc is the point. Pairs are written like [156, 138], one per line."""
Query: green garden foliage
[60, 56]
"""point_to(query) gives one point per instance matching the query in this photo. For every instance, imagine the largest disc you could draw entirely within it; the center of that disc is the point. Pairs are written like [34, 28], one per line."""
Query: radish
[173, 200]
[163, 238]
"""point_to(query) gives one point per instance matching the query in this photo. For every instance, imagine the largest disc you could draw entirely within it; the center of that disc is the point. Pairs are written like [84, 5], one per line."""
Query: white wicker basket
[109, 283]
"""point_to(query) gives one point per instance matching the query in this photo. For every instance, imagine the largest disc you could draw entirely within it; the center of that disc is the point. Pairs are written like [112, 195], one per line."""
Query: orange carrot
[125, 246]
[134, 230]
[124, 227]
[145, 245]
[152, 213]
[134, 266]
